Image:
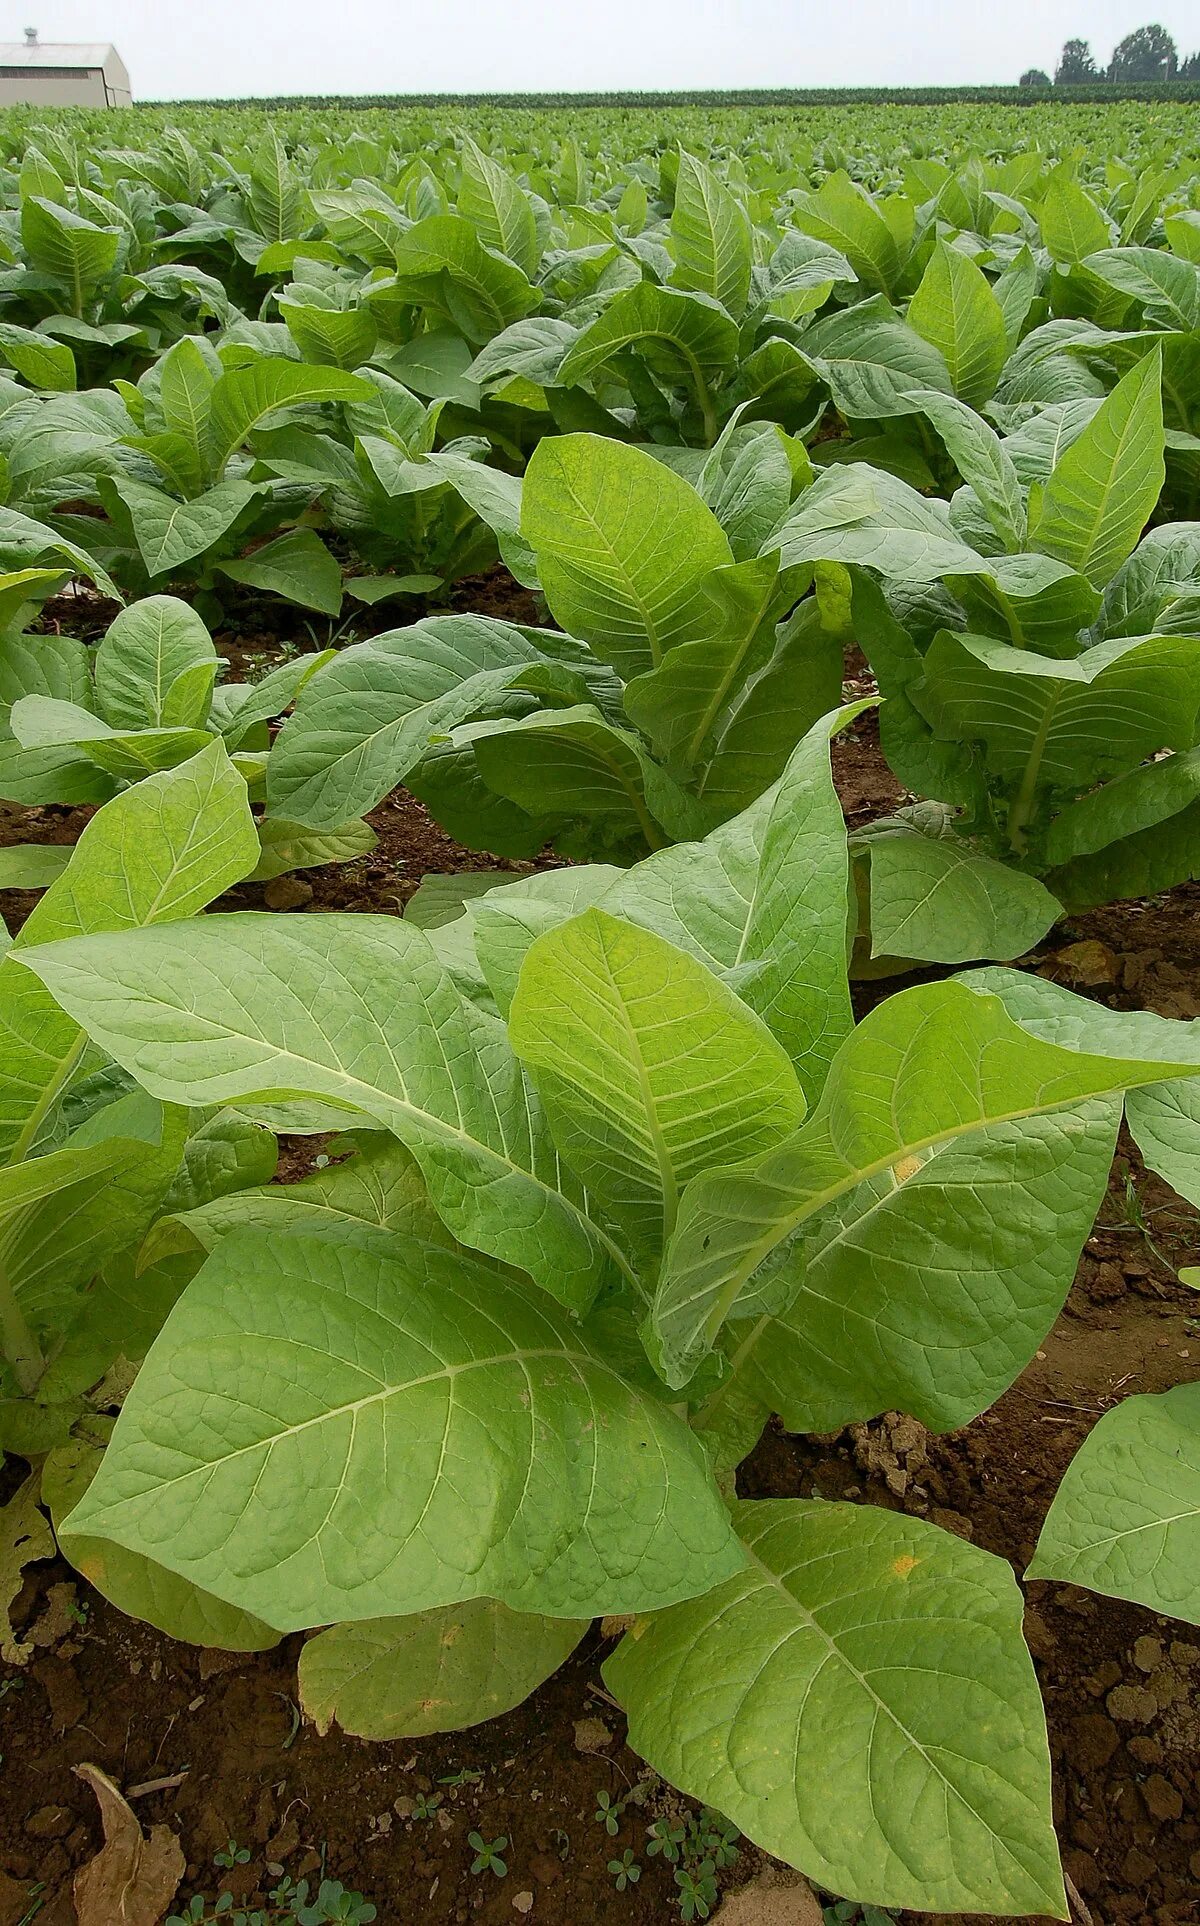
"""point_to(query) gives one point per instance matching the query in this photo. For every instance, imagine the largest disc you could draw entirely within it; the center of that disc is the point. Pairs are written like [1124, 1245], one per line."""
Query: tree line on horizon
[1146, 54]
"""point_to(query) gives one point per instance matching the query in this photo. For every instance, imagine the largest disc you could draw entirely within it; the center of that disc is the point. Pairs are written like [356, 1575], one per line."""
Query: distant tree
[1189, 69]
[1034, 77]
[1076, 68]
[1146, 54]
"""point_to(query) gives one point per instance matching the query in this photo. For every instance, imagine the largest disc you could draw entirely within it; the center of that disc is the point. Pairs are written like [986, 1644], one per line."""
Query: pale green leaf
[860, 1703]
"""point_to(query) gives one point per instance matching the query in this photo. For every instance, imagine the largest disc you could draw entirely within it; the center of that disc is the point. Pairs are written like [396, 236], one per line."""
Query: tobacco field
[600, 1015]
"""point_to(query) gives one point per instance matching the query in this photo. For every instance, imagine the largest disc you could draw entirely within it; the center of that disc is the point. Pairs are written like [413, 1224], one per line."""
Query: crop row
[617, 1175]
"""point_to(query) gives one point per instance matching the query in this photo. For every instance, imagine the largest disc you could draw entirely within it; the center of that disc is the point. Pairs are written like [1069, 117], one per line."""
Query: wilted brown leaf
[133, 1879]
[25, 1536]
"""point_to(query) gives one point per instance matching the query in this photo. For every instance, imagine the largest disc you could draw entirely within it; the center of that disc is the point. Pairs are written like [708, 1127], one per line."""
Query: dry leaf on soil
[133, 1879]
[25, 1536]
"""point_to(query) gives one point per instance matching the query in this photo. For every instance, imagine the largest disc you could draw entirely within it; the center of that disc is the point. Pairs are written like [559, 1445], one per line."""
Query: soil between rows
[1121, 1686]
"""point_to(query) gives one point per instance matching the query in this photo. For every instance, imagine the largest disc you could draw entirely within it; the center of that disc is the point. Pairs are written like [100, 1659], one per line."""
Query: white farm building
[50, 74]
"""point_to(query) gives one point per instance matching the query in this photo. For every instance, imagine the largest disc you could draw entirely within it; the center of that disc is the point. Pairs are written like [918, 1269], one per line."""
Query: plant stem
[21, 1348]
[52, 1091]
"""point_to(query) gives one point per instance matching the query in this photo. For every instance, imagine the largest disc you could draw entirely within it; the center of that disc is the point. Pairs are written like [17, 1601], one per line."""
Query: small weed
[608, 1813]
[426, 1804]
[290, 1906]
[487, 1853]
[697, 1889]
[667, 1839]
[232, 1855]
[848, 1912]
[625, 1870]
[465, 1776]
[712, 1836]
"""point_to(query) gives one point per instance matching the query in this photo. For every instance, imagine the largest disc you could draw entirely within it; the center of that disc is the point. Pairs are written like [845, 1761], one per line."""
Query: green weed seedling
[232, 1855]
[697, 1889]
[625, 1870]
[487, 1853]
[290, 1905]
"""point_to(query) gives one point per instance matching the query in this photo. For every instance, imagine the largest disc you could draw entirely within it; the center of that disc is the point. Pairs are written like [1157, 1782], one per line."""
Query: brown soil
[1122, 1687]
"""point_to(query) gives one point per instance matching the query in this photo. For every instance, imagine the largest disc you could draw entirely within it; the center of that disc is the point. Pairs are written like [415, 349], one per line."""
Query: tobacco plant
[685, 670]
[624, 1178]
[89, 1160]
[80, 723]
[1039, 661]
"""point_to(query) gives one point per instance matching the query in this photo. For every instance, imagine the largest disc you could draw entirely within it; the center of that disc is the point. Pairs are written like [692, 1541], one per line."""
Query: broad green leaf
[162, 850]
[623, 547]
[435, 364]
[936, 899]
[1029, 600]
[1142, 799]
[149, 647]
[1162, 1117]
[33, 865]
[502, 922]
[275, 198]
[41, 722]
[1015, 290]
[1167, 288]
[1160, 580]
[1062, 724]
[686, 336]
[366, 719]
[24, 541]
[296, 565]
[288, 846]
[1071, 223]
[890, 1143]
[712, 236]
[331, 337]
[185, 385]
[334, 1429]
[440, 1671]
[872, 361]
[1142, 861]
[244, 397]
[62, 243]
[764, 900]
[749, 486]
[1126, 1518]
[380, 1183]
[170, 532]
[95, 1197]
[982, 461]
[41, 362]
[575, 765]
[239, 706]
[860, 1703]
[136, 1585]
[1105, 487]
[497, 209]
[682, 704]
[955, 310]
[844, 215]
[758, 725]
[650, 1069]
[440, 260]
[284, 1017]
[861, 515]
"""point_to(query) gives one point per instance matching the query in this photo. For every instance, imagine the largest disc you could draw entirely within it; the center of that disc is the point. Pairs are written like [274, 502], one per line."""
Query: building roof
[40, 53]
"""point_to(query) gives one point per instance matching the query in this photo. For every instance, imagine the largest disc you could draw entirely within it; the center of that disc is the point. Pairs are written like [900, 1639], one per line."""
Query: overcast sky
[200, 49]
